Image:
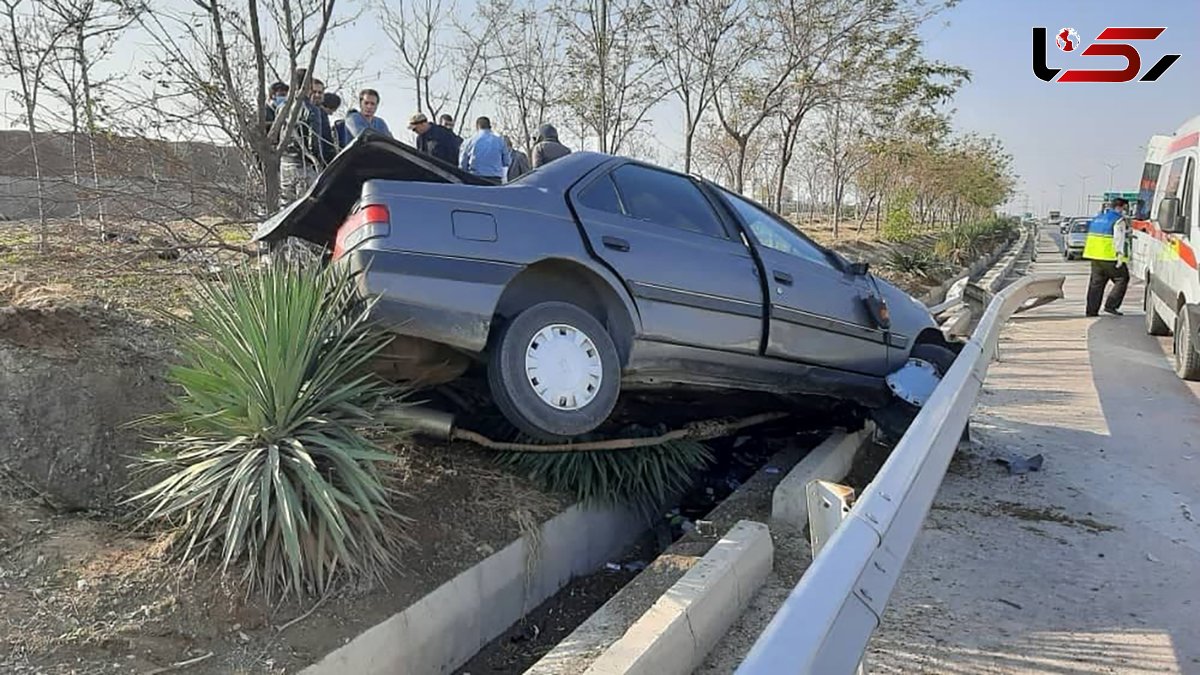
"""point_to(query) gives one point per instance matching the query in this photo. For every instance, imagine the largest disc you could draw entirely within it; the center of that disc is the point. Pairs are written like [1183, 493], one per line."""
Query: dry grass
[143, 267]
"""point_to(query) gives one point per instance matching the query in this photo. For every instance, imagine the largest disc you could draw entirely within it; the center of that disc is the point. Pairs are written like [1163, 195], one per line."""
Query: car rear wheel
[554, 371]
[1187, 359]
[1154, 323]
[894, 419]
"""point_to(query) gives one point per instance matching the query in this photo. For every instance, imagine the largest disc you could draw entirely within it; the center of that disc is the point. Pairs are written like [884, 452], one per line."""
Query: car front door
[818, 312]
[694, 280]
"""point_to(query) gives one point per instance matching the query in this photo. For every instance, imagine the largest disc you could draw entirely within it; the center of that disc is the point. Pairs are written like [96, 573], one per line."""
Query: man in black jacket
[435, 140]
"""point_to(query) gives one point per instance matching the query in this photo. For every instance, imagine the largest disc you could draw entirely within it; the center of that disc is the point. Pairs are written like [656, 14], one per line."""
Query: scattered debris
[1018, 465]
[1187, 512]
[1151, 558]
[773, 470]
[612, 566]
[1010, 603]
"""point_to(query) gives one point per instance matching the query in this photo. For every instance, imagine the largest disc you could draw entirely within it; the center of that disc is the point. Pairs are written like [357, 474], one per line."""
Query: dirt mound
[71, 374]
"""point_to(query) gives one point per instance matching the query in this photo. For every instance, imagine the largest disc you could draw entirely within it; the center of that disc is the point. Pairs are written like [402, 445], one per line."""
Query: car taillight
[368, 215]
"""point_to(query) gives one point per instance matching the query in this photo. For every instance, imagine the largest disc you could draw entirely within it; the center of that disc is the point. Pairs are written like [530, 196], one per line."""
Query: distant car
[1075, 238]
[596, 273]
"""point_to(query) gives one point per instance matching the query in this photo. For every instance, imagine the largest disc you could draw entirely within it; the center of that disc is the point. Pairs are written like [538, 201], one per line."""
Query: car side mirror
[1168, 215]
[859, 268]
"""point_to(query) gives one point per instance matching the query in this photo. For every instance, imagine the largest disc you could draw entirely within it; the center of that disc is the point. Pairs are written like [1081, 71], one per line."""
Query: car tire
[585, 379]
[1187, 359]
[1155, 325]
[894, 419]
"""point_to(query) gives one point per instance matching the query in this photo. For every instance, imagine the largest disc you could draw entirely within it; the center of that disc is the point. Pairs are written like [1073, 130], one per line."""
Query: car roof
[562, 173]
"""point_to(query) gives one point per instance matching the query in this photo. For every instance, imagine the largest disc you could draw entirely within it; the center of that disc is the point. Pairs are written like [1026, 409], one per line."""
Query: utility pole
[1110, 174]
[1083, 194]
[1060, 195]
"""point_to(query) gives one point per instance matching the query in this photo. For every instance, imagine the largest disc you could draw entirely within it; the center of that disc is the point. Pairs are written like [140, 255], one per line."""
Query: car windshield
[1079, 226]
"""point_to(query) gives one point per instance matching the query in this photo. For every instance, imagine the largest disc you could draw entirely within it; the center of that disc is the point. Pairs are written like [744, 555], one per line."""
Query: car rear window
[602, 196]
[1079, 227]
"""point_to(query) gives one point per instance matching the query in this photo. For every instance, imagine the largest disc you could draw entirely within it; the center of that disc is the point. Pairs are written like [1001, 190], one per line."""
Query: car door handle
[782, 277]
[615, 243]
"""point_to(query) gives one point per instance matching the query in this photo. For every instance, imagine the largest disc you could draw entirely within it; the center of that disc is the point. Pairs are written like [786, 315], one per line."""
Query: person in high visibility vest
[1106, 246]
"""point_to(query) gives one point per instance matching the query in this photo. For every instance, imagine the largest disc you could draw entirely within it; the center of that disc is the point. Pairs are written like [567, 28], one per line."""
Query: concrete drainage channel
[550, 605]
[553, 603]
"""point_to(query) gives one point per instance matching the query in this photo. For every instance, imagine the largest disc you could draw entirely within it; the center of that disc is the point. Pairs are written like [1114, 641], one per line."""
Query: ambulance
[1166, 225]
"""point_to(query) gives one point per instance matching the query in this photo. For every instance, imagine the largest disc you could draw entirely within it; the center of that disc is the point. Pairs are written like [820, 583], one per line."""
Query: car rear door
[694, 279]
[818, 310]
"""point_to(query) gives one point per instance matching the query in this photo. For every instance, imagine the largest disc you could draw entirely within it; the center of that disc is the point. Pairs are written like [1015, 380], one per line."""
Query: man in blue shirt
[485, 153]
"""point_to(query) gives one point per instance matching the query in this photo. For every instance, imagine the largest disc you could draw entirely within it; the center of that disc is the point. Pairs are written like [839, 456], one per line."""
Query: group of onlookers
[486, 153]
[318, 137]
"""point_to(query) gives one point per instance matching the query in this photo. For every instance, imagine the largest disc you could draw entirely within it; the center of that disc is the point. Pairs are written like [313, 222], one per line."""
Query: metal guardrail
[826, 622]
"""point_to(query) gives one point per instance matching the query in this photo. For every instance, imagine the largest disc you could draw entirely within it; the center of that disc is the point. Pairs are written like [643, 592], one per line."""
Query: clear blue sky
[1055, 132]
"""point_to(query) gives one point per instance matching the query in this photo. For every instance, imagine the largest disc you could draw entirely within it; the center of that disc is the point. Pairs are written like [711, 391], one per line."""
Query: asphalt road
[1091, 565]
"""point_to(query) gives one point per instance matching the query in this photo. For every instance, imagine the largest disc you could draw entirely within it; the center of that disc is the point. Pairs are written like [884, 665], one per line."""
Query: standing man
[547, 148]
[1107, 239]
[520, 162]
[485, 153]
[302, 157]
[321, 124]
[365, 118]
[434, 140]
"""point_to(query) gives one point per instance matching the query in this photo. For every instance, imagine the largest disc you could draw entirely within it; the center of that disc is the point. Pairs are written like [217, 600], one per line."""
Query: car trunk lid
[317, 214]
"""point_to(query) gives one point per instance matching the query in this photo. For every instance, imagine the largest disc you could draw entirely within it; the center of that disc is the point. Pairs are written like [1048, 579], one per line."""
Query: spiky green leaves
[266, 463]
[642, 476]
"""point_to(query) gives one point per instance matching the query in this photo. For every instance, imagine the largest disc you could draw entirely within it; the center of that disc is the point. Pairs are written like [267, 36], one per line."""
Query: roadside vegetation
[267, 462]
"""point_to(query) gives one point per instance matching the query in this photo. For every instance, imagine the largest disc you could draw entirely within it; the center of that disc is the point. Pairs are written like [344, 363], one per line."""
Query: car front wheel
[554, 371]
[894, 419]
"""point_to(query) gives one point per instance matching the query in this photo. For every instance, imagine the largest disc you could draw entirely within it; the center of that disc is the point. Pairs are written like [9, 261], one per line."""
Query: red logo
[1067, 40]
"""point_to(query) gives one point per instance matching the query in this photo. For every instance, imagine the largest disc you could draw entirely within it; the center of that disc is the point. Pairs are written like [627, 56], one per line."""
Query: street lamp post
[1111, 167]
[1060, 196]
[1083, 194]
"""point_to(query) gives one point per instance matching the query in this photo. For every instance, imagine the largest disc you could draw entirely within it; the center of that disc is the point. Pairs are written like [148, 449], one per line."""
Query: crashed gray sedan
[596, 274]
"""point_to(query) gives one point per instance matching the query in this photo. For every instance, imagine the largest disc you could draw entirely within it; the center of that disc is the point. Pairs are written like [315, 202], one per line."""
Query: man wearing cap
[433, 139]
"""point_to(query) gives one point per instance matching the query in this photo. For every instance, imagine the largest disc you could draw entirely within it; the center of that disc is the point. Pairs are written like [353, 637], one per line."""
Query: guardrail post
[828, 505]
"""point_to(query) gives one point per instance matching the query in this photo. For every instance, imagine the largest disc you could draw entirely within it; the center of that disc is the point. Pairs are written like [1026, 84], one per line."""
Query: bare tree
[412, 28]
[213, 76]
[93, 29]
[27, 47]
[698, 50]
[612, 77]
[531, 66]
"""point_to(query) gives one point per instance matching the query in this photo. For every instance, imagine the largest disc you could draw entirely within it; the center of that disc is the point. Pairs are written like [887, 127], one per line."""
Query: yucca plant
[267, 457]
[644, 477]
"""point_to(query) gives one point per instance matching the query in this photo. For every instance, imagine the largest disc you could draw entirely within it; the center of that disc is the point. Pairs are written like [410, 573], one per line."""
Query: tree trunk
[90, 117]
[44, 227]
[739, 179]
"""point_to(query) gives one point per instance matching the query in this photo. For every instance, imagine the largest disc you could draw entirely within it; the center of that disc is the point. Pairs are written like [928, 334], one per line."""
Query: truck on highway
[1165, 236]
[1055, 218]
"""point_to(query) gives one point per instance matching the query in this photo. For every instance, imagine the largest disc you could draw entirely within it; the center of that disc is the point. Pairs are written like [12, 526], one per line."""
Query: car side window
[602, 196]
[772, 233]
[666, 199]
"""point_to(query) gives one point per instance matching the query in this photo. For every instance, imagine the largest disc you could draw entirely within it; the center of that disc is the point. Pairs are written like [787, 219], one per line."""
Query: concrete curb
[675, 635]
[831, 460]
[443, 630]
